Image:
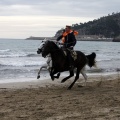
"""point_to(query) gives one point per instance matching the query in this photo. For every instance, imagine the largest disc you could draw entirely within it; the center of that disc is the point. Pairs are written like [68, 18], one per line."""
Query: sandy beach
[50, 100]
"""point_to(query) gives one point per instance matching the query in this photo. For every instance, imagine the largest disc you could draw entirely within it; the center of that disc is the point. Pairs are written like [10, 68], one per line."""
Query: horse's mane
[54, 44]
[56, 48]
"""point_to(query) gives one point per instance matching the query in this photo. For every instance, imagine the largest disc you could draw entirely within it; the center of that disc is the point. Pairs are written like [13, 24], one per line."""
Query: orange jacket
[66, 33]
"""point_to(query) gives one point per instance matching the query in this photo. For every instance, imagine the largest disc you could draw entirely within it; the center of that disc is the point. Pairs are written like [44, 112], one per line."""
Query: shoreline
[35, 83]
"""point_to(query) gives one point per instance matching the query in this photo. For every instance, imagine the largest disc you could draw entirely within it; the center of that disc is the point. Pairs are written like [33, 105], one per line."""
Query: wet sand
[50, 100]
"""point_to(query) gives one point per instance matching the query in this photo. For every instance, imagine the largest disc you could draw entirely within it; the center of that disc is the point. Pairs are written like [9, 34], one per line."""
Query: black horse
[48, 64]
[60, 61]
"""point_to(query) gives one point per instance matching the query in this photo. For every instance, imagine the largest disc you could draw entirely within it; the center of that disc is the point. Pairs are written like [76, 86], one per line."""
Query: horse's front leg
[52, 72]
[71, 75]
[44, 66]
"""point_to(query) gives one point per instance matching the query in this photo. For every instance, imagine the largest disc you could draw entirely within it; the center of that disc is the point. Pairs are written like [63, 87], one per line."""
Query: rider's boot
[71, 62]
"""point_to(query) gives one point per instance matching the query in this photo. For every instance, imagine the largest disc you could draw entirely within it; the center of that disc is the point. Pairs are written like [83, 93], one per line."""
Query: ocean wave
[103, 60]
[11, 56]
[6, 50]
[116, 59]
[96, 70]
[13, 70]
[18, 55]
[108, 60]
[21, 64]
[103, 70]
[2, 65]
[32, 55]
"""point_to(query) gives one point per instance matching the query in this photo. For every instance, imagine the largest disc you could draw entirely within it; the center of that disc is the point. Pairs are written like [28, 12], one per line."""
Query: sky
[43, 18]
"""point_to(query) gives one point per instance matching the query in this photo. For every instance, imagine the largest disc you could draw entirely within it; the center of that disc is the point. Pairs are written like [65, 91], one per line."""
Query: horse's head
[48, 48]
[41, 47]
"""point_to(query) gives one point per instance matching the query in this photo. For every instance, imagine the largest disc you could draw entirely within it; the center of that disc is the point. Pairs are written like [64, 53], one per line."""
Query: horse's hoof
[38, 76]
[62, 81]
[52, 79]
[80, 86]
[69, 88]
[58, 75]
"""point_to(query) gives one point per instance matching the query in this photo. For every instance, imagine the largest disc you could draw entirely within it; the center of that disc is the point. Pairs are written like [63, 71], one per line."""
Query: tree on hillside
[108, 26]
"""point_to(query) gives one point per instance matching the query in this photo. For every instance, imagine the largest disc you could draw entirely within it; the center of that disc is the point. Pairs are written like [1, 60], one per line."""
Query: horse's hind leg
[76, 78]
[71, 75]
[58, 75]
[84, 75]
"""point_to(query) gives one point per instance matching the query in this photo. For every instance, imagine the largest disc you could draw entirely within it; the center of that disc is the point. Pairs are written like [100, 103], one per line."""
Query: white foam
[22, 62]
[6, 50]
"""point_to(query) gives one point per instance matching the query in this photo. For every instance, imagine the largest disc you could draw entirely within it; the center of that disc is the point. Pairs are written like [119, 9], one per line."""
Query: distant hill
[106, 26]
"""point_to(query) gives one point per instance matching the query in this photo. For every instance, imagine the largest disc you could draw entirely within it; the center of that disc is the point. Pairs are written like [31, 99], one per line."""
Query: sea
[19, 59]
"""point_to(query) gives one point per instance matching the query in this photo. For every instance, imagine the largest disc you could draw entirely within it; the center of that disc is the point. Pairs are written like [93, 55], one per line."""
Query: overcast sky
[24, 18]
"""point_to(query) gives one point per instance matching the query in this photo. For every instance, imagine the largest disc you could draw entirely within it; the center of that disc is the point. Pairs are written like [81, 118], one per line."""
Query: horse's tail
[91, 59]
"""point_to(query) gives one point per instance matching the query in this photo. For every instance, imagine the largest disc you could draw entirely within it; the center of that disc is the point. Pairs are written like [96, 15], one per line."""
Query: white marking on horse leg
[84, 75]
[44, 66]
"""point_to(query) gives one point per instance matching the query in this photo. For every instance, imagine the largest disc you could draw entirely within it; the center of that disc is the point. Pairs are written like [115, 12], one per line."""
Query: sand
[50, 100]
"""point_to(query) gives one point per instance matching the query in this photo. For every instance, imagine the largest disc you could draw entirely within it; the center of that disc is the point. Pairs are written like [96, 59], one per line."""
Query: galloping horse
[48, 63]
[60, 61]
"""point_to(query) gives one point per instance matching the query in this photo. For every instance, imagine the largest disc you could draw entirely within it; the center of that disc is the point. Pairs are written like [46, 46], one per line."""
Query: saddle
[72, 53]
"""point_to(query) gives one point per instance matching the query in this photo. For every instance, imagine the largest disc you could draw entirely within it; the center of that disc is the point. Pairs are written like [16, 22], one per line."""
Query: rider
[68, 37]
[69, 41]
